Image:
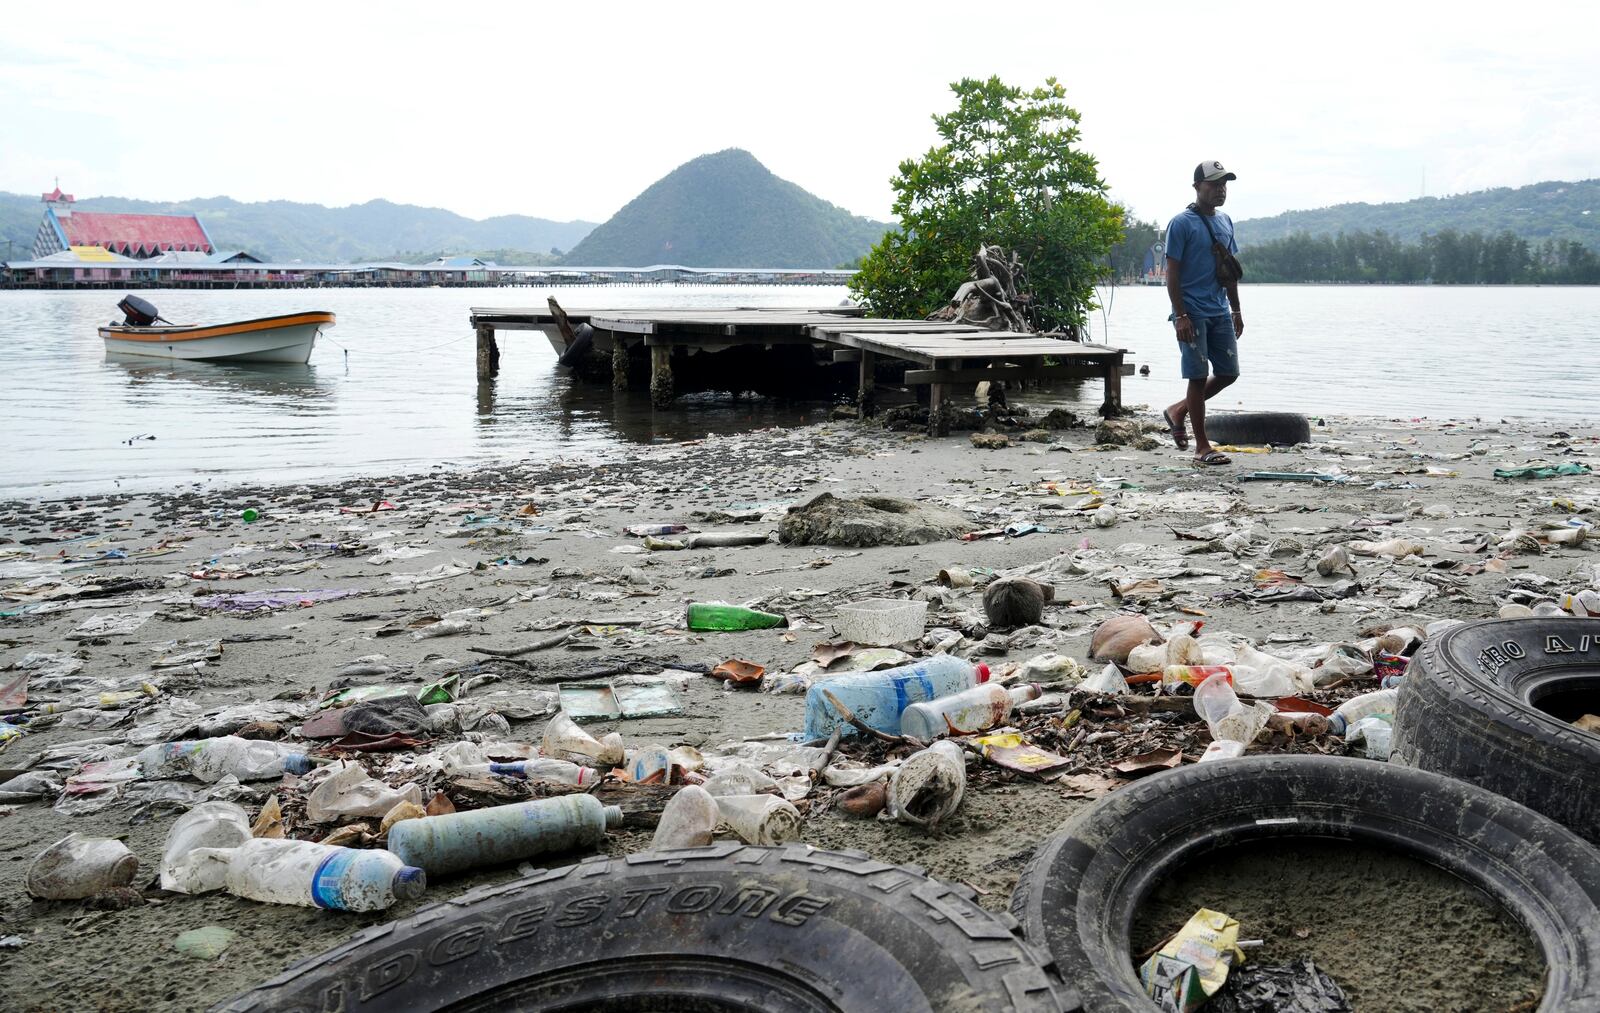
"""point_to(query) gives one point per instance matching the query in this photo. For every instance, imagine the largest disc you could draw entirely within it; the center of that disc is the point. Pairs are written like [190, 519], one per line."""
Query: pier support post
[1112, 407]
[938, 410]
[619, 363]
[488, 352]
[866, 397]
[660, 376]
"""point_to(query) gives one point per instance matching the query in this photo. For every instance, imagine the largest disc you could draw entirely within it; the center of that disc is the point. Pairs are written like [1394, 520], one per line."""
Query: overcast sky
[568, 110]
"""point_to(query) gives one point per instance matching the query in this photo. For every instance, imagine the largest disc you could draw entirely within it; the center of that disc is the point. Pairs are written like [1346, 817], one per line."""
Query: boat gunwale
[193, 332]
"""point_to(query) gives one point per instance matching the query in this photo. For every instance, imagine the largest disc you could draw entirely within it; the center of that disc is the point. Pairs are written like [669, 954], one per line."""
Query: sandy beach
[528, 551]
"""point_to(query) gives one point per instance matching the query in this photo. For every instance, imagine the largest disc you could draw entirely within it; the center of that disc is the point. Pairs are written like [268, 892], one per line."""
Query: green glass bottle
[731, 617]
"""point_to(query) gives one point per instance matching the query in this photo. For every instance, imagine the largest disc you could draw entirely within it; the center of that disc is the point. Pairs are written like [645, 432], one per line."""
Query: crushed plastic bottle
[878, 698]
[211, 760]
[761, 819]
[1225, 714]
[740, 779]
[565, 740]
[307, 874]
[928, 786]
[76, 867]
[974, 710]
[455, 842]
[200, 845]
[688, 821]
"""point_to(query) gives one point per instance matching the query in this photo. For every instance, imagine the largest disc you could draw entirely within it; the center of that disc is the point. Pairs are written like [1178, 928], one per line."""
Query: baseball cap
[1211, 170]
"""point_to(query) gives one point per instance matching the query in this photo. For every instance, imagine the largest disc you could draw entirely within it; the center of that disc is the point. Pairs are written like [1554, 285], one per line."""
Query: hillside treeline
[1444, 258]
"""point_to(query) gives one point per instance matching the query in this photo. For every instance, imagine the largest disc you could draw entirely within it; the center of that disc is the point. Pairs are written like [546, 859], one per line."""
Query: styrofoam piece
[881, 622]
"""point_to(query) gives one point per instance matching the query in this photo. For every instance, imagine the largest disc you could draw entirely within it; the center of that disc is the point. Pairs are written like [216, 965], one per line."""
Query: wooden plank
[721, 341]
[1074, 371]
[848, 354]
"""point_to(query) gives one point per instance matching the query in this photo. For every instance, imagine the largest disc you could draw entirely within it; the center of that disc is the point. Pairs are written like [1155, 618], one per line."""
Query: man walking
[1203, 287]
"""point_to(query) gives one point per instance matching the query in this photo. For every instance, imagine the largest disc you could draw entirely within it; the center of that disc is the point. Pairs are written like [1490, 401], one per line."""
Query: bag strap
[1207, 224]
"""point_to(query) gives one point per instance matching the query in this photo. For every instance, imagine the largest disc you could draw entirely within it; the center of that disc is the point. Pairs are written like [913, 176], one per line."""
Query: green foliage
[726, 210]
[1553, 210]
[282, 231]
[1446, 258]
[1006, 173]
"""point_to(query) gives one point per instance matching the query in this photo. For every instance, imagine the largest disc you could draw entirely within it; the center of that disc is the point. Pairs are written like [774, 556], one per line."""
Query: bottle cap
[298, 763]
[983, 672]
[409, 883]
[250, 514]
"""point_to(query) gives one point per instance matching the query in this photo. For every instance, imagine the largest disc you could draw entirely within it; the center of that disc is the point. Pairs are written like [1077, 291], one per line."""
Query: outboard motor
[136, 312]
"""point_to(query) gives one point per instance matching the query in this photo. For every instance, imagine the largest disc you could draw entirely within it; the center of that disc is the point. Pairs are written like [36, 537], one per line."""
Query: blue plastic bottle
[878, 698]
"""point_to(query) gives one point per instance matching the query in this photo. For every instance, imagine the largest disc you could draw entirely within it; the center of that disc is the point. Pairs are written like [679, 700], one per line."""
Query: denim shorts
[1214, 340]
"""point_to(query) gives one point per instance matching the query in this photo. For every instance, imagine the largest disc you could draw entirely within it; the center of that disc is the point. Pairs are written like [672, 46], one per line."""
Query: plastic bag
[1225, 714]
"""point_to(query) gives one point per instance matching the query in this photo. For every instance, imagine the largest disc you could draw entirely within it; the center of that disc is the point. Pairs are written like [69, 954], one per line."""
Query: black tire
[1078, 895]
[718, 928]
[582, 341]
[1283, 429]
[1471, 707]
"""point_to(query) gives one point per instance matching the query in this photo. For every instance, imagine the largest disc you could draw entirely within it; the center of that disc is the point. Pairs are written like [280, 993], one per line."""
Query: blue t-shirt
[1189, 243]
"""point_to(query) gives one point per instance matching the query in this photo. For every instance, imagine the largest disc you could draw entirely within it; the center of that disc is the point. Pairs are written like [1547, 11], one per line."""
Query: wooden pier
[935, 354]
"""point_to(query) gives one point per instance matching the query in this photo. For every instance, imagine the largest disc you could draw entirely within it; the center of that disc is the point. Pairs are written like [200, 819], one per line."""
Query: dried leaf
[1149, 763]
[440, 805]
[270, 822]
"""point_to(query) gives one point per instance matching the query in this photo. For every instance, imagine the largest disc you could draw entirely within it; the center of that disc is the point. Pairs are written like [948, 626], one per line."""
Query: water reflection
[294, 386]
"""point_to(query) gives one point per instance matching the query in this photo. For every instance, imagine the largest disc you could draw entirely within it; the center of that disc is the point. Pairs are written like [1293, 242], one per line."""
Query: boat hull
[288, 338]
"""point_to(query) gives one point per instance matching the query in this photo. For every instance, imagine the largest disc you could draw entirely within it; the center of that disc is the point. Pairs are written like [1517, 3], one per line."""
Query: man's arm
[1180, 316]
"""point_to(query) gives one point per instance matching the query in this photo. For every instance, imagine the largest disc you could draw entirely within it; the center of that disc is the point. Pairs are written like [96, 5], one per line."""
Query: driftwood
[994, 299]
[517, 652]
[861, 726]
[562, 323]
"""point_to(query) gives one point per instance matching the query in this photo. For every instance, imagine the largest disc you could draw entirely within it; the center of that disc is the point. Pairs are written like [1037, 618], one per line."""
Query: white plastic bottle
[199, 847]
[211, 760]
[975, 710]
[482, 837]
[761, 819]
[321, 875]
[1379, 703]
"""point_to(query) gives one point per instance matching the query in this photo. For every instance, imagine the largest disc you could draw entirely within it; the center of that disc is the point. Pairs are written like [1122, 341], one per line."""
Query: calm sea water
[406, 395]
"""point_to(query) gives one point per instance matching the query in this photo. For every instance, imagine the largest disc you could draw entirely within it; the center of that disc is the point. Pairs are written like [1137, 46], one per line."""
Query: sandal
[1214, 457]
[1175, 430]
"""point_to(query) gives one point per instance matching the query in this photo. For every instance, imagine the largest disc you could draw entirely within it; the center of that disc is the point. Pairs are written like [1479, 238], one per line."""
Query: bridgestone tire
[717, 928]
[1251, 428]
[1470, 708]
[1080, 892]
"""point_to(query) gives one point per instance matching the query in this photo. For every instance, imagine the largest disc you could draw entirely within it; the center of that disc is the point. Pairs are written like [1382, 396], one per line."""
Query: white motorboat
[288, 337]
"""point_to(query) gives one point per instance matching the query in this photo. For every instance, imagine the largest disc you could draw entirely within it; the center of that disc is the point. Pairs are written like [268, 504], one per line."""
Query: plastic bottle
[878, 698]
[468, 840]
[1375, 704]
[199, 847]
[760, 819]
[1225, 714]
[564, 740]
[688, 821]
[558, 771]
[974, 710]
[76, 867]
[211, 760]
[718, 617]
[928, 786]
[103, 701]
[308, 874]
[641, 530]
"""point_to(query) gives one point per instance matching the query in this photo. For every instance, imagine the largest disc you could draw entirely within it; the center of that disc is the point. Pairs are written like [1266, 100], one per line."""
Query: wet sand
[73, 956]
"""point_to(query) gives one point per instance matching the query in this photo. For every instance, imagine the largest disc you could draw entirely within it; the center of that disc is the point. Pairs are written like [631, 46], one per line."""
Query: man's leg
[1214, 384]
[1199, 392]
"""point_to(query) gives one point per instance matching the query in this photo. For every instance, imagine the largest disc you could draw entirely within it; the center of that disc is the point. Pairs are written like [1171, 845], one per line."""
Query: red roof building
[136, 236]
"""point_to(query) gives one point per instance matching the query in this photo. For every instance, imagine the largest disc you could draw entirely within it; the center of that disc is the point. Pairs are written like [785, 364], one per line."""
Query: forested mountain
[286, 231]
[1555, 210]
[727, 210]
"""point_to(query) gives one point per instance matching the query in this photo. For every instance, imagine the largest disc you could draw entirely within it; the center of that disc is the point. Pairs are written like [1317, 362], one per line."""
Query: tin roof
[122, 233]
